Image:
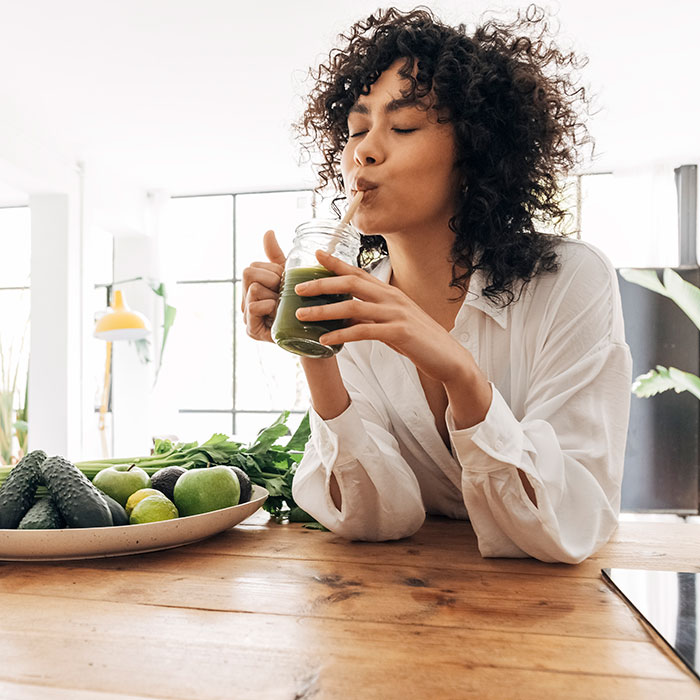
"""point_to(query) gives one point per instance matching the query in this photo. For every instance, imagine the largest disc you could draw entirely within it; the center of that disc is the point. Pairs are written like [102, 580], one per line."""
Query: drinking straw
[346, 219]
[352, 208]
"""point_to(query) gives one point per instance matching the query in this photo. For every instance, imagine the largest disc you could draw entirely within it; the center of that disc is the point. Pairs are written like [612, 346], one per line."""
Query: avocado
[244, 481]
[119, 516]
[17, 492]
[43, 515]
[164, 480]
[81, 504]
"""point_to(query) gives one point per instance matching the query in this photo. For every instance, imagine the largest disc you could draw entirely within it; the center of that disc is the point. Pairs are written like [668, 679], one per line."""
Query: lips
[364, 185]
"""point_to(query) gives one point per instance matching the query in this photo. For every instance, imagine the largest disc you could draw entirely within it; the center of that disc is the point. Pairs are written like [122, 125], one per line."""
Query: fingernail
[301, 286]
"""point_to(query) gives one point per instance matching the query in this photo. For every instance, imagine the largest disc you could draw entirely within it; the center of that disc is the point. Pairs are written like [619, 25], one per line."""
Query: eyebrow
[391, 106]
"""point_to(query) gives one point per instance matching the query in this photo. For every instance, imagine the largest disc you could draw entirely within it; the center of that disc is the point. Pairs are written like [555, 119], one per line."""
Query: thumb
[272, 249]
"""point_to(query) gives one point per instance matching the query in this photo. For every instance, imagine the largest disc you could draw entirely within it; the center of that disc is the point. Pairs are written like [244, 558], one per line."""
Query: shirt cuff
[486, 446]
[339, 439]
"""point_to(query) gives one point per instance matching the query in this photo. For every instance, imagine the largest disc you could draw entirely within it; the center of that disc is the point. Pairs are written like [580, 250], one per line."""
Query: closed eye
[404, 131]
[357, 133]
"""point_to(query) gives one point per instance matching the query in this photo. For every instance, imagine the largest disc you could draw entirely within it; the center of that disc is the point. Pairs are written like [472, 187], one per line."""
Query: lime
[139, 496]
[153, 509]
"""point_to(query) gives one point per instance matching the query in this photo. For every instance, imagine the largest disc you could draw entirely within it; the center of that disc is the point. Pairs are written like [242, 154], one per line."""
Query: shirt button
[464, 337]
[499, 444]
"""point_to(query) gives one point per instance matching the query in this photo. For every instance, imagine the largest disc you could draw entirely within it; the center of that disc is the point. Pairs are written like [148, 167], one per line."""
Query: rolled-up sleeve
[381, 498]
[569, 440]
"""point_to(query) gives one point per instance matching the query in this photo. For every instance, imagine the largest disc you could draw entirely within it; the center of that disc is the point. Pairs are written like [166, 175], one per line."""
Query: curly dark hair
[518, 115]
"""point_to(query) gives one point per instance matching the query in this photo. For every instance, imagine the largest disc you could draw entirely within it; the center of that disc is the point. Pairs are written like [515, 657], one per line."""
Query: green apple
[121, 480]
[206, 489]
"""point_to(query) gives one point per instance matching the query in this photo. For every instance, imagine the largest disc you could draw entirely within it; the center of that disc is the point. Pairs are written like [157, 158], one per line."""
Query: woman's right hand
[261, 285]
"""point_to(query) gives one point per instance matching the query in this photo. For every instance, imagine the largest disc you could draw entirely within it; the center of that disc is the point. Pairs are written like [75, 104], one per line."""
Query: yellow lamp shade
[121, 323]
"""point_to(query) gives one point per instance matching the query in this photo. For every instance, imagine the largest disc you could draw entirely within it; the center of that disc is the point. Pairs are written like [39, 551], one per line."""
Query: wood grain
[369, 592]
[278, 611]
[169, 651]
[452, 544]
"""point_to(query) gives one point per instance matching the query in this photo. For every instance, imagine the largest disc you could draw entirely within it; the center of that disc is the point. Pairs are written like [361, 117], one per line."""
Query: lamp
[117, 323]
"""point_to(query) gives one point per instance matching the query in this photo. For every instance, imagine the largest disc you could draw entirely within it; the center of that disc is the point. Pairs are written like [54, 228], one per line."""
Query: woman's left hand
[381, 312]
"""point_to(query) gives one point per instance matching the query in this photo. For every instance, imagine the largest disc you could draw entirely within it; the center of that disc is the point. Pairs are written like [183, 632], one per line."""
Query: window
[227, 382]
[15, 262]
[631, 217]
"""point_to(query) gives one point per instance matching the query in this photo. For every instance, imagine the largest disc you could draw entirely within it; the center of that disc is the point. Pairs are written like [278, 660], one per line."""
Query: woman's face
[402, 158]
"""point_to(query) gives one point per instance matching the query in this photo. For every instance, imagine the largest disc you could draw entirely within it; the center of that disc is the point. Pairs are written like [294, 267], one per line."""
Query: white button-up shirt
[561, 373]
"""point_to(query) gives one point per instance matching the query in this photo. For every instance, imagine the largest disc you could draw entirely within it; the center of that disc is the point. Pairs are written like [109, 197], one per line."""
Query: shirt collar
[474, 298]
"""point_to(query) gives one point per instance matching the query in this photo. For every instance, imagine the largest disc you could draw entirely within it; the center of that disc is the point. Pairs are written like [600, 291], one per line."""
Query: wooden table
[279, 611]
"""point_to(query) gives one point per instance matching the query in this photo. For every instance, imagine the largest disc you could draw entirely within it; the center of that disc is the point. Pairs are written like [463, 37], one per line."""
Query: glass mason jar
[301, 337]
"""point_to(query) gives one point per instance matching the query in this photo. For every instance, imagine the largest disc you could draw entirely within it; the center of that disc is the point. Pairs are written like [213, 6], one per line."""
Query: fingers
[264, 307]
[260, 276]
[258, 315]
[352, 310]
[272, 249]
[259, 306]
[354, 285]
[261, 283]
[330, 262]
[263, 276]
[258, 328]
[383, 332]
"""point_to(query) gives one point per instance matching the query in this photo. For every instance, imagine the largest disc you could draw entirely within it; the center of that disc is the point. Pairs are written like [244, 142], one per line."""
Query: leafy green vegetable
[267, 463]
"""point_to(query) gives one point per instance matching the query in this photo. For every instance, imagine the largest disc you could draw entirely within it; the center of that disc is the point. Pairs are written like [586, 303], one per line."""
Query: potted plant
[687, 297]
[13, 420]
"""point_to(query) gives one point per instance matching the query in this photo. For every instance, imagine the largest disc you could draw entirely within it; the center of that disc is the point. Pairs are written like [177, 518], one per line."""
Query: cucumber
[43, 515]
[80, 503]
[17, 492]
[119, 516]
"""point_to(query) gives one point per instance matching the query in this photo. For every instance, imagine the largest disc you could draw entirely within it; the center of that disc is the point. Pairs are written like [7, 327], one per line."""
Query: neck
[422, 270]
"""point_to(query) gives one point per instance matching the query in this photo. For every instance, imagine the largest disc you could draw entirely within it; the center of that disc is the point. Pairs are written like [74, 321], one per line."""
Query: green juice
[297, 336]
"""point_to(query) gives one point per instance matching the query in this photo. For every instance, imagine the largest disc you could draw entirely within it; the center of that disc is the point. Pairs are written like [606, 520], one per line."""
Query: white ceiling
[194, 96]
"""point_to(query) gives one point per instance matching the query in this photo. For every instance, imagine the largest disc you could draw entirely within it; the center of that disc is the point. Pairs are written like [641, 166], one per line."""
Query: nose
[369, 150]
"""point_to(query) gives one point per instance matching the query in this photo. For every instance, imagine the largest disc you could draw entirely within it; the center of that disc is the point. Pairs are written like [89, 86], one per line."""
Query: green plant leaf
[662, 379]
[644, 278]
[301, 435]
[685, 294]
[157, 287]
[169, 313]
[143, 349]
[275, 486]
[269, 436]
[686, 380]
[161, 446]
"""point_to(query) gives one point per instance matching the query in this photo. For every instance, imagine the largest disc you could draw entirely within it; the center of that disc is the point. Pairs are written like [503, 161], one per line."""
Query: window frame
[234, 281]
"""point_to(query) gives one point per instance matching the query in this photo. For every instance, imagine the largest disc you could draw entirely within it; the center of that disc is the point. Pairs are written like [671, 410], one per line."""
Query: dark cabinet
[661, 461]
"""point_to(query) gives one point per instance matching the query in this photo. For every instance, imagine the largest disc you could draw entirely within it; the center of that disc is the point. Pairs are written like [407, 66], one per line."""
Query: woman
[485, 372]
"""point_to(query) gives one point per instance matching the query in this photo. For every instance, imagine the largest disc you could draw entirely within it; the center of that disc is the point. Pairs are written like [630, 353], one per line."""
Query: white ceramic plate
[94, 542]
